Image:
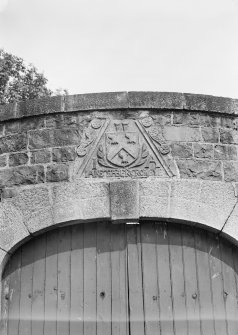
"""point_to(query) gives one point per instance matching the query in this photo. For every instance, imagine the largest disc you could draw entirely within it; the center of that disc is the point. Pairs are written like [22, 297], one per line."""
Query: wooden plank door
[105, 279]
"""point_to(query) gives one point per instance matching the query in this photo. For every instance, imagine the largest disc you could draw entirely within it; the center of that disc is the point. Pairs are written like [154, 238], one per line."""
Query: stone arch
[39, 190]
[212, 205]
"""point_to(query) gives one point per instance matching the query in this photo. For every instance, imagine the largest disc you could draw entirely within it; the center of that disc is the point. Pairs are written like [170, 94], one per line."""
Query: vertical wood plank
[63, 305]
[190, 279]
[51, 282]
[229, 292]
[177, 278]
[26, 288]
[77, 288]
[13, 292]
[217, 284]
[5, 290]
[136, 303]
[120, 322]
[38, 285]
[104, 294]
[235, 259]
[150, 279]
[163, 268]
[204, 283]
[90, 273]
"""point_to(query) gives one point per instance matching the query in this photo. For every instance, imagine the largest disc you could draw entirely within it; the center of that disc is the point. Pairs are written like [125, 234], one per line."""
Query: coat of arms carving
[123, 148]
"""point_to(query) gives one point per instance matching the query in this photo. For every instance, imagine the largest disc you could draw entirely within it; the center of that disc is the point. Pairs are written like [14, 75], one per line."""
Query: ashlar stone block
[124, 197]
[12, 228]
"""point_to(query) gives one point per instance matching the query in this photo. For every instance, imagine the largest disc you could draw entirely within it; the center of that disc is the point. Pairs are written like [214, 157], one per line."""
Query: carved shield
[122, 148]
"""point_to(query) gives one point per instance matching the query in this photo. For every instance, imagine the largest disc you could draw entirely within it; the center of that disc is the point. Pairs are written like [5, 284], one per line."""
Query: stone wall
[119, 157]
[55, 165]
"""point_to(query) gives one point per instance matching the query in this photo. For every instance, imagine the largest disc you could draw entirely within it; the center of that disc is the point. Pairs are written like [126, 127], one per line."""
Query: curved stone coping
[120, 100]
[35, 209]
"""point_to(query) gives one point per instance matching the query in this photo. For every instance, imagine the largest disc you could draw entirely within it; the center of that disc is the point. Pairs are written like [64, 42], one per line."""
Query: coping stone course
[95, 101]
[120, 100]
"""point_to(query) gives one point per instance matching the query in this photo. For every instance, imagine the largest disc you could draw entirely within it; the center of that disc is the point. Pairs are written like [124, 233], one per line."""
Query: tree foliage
[19, 81]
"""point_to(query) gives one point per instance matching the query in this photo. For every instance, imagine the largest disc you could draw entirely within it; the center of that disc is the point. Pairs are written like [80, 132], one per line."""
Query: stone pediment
[128, 148]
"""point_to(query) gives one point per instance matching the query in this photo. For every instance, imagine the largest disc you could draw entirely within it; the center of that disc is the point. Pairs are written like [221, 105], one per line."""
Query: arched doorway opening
[104, 278]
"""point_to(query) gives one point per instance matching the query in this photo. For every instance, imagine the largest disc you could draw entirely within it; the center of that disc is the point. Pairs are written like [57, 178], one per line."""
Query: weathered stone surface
[80, 189]
[200, 169]
[32, 123]
[228, 136]
[70, 120]
[22, 175]
[230, 171]
[124, 196]
[210, 135]
[35, 206]
[207, 120]
[41, 139]
[54, 121]
[9, 192]
[57, 173]
[181, 134]
[216, 203]
[63, 154]
[152, 207]
[64, 137]
[229, 122]
[40, 156]
[185, 118]
[210, 103]
[64, 212]
[53, 138]
[184, 200]
[12, 228]
[96, 101]
[162, 100]
[156, 188]
[230, 229]
[154, 198]
[81, 200]
[20, 158]
[162, 119]
[96, 208]
[12, 127]
[4, 256]
[62, 120]
[13, 143]
[203, 150]
[182, 150]
[1, 130]
[40, 106]
[8, 111]
[225, 152]
[187, 190]
[120, 100]
[3, 160]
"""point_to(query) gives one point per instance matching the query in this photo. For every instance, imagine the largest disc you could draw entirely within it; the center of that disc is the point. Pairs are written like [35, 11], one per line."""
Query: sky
[127, 45]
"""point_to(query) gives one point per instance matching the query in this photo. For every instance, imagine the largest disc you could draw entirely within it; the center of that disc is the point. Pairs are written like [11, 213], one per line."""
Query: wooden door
[104, 279]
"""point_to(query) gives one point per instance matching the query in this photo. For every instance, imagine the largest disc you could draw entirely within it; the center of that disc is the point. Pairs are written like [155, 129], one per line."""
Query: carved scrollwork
[88, 137]
[156, 135]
